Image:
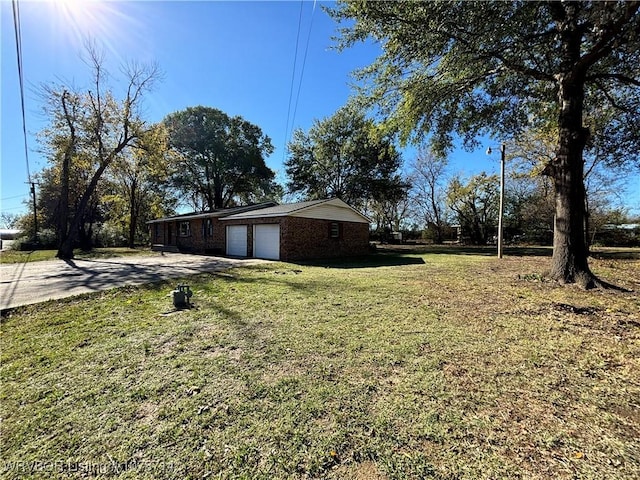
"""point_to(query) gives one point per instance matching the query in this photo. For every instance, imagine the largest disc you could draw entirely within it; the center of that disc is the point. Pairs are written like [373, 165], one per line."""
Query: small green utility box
[181, 296]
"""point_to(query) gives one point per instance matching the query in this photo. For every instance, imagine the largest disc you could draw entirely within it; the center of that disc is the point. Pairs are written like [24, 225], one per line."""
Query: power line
[304, 62]
[16, 27]
[4, 209]
[293, 76]
[16, 196]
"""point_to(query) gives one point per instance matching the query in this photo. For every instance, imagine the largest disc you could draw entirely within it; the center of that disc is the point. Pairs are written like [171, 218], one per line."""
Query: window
[334, 230]
[207, 228]
[185, 229]
[156, 231]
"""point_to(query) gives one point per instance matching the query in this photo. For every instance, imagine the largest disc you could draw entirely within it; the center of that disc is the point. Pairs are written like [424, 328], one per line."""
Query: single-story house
[297, 231]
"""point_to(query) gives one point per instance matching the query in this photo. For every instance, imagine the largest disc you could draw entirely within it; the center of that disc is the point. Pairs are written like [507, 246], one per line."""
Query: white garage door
[266, 241]
[237, 240]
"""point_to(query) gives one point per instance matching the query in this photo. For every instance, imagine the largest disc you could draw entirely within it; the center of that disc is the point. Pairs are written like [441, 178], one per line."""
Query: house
[297, 231]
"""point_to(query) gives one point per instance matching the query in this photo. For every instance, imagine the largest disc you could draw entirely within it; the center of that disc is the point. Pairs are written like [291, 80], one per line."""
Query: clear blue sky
[235, 56]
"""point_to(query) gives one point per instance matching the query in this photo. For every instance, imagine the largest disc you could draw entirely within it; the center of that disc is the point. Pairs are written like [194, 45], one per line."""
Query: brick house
[297, 231]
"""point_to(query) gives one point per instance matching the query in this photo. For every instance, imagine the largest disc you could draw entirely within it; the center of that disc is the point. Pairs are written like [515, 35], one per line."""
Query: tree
[476, 205]
[94, 128]
[9, 220]
[139, 185]
[389, 210]
[529, 208]
[429, 191]
[344, 156]
[220, 159]
[501, 67]
[603, 176]
[55, 214]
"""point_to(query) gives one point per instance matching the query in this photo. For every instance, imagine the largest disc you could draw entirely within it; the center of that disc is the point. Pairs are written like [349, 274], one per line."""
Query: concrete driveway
[34, 282]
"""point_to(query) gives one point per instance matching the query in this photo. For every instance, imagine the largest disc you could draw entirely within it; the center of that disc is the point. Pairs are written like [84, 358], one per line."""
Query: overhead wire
[14, 197]
[304, 62]
[293, 77]
[288, 131]
[18, 34]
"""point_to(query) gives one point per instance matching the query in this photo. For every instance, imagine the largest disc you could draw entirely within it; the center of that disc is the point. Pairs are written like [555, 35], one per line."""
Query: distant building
[7, 236]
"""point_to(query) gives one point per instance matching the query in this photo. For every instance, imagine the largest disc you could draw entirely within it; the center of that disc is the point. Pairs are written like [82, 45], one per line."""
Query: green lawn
[11, 256]
[431, 365]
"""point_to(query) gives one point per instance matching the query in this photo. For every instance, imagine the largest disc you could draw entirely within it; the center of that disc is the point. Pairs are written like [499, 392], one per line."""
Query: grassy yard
[439, 365]
[11, 256]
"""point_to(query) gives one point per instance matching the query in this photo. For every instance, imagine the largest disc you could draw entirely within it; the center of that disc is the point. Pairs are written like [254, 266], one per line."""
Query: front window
[185, 229]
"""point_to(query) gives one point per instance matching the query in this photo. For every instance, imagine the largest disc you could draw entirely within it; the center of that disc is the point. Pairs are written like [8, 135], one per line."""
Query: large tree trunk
[436, 214]
[62, 212]
[65, 250]
[569, 263]
[218, 198]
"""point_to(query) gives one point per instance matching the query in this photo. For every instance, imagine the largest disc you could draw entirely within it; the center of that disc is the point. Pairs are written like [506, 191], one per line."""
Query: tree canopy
[344, 156]
[471, 68]
[220, 159]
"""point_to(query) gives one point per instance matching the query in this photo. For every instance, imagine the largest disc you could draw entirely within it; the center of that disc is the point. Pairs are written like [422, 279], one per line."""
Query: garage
[266, 241]
[237, 240]
[305, 230]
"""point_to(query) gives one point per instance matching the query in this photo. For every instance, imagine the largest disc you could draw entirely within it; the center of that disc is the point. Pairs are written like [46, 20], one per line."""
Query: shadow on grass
[600, 253]
[382, 259]
[488, 250]
[616, 254]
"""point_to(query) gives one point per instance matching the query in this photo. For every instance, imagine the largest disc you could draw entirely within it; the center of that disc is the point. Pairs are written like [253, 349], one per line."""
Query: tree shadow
[616, 254]
[484, 250]
[598, 253]
[382, 259]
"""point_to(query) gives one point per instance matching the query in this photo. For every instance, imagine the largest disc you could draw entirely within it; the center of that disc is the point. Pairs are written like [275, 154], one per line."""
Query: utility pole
[502, 149]
[35, 212]
[501, 212]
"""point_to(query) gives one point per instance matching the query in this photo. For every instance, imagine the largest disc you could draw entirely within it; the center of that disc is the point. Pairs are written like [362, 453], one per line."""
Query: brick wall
[306, 238]
[197, 241]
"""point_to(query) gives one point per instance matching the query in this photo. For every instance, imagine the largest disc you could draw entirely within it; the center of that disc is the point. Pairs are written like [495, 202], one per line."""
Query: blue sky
[235, 56]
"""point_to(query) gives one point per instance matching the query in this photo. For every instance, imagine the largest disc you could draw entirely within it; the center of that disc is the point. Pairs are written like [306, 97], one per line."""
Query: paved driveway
[26, 283]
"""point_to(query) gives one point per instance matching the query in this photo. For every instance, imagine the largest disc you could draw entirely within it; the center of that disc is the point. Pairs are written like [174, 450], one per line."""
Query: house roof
[329, 208]
[222, 212]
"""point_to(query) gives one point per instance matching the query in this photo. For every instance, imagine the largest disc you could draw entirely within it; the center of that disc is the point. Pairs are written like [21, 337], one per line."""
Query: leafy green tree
[475, 204]
[501, 67]
[220, 159]
[88, 130]
[344, 156]
[139, 186]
